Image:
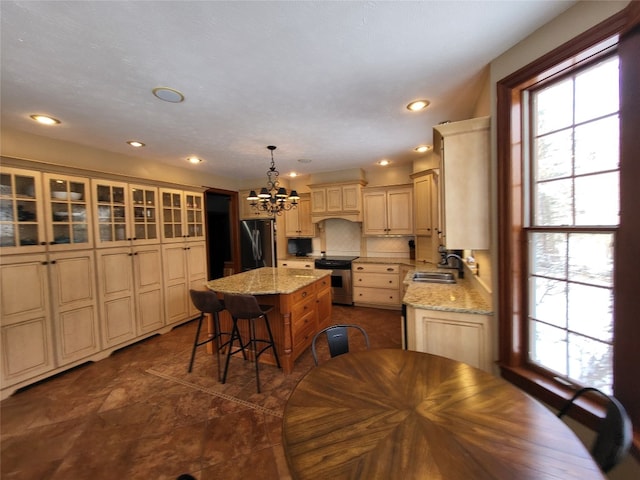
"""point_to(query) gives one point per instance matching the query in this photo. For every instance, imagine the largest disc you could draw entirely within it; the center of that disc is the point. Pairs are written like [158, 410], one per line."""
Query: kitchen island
[302, 306]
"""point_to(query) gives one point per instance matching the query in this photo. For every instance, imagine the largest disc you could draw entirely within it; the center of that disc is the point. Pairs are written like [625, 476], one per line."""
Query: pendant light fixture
[273, 199]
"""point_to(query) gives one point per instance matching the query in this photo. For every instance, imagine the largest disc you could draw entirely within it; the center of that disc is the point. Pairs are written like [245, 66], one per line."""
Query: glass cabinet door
[195, 216]
[172, 215]
[68, 216]
[144, 203]
[111, 213]
[21, 218]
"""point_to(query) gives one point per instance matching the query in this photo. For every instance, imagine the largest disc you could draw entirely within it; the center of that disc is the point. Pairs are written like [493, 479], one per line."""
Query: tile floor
[139, 415]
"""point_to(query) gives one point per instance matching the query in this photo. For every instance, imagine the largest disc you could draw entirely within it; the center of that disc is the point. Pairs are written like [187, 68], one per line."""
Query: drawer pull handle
[360, 268]
[390, 269]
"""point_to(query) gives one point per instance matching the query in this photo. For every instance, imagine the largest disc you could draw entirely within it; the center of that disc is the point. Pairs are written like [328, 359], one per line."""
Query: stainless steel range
[341, 286]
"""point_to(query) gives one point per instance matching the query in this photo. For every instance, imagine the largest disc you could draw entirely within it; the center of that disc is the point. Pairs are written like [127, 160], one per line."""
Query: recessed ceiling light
[384, 163]
[194, 160]
[135, 143]
[422, 148]
[45, 119]
[168, 94]
[418, 105]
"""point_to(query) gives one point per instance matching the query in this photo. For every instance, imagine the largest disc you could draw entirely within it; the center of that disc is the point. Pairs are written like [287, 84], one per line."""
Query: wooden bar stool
[246, 307]
[208, 302]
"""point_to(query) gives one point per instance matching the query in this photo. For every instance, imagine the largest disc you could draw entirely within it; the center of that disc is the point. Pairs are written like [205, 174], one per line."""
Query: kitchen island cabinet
[301, 301]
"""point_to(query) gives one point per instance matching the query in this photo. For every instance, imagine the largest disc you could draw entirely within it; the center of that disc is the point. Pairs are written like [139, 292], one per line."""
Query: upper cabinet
[21, 211]
[33, 219]
[182, 215]
[298, 220]
[464, 152]
[388, 210]
[337, 200]
[126, 214]
[247, 212]
[425, 208]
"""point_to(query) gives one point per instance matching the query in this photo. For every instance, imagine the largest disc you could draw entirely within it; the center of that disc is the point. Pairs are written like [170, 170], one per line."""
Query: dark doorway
[218, 232]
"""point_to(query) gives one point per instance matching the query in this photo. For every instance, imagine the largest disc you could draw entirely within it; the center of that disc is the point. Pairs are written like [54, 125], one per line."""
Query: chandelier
[273, 199]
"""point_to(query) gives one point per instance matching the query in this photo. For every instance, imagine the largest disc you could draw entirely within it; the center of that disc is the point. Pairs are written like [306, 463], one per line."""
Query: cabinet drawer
[323, 284]
[303, 332]
[301, 309]
[379, 296]
[296, 264]
[375, 268]
[376, 280]
[303, 294]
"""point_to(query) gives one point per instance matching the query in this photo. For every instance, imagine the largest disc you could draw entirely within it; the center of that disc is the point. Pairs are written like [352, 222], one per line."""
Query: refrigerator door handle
[259, 245]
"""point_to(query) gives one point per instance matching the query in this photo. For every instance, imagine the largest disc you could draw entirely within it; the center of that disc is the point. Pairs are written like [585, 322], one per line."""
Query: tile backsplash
[343, 237]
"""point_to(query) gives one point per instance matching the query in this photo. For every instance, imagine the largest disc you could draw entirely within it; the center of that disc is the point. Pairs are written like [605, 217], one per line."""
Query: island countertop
[267, 281]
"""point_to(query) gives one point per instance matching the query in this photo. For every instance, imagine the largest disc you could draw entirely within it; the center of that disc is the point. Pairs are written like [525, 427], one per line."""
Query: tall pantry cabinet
[184, 251]
[87, 265]
[49, 302]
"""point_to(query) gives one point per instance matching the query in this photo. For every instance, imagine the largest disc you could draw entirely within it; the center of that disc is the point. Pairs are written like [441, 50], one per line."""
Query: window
[568, 223]
[573, 206]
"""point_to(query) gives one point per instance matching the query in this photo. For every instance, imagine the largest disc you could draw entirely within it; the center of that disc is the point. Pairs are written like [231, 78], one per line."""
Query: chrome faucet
[460, 264]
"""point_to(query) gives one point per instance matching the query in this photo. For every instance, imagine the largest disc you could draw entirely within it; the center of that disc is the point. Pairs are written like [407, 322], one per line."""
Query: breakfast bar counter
[302, 306]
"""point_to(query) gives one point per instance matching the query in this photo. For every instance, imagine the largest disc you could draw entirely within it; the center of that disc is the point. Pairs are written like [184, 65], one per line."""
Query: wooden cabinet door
[319, 200]
[25, 319]
[291, 223]
[75, 305]
[175, 281]
[351, 195]
[22, 221]
[461, 336]
[422, 205]
[375, 213]
[196, 258]
[400, 211]
[306, 226]
[148, 288]
[117, 304]
[334, 199]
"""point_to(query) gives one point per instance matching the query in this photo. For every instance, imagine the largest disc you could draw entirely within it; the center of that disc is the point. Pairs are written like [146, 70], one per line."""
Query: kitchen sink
[434, 277]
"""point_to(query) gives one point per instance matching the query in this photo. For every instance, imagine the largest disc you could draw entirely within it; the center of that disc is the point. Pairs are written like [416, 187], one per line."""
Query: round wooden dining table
[396, 414]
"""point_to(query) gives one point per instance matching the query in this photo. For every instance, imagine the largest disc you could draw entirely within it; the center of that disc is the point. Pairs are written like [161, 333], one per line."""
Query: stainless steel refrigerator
[258, 244]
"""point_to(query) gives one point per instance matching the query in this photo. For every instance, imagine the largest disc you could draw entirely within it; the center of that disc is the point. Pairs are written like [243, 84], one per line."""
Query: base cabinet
[130, 282]
[25, 328]
[465, 337]
[75, 305]
[376, 284]
[185, 268]
[53, 325]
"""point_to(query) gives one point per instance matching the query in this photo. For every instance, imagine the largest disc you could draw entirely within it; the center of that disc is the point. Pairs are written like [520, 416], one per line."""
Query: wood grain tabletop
[396, 414]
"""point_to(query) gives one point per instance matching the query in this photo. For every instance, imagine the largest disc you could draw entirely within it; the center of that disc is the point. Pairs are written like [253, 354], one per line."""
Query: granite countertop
[461, 296]
[392, 260]
[267, 281]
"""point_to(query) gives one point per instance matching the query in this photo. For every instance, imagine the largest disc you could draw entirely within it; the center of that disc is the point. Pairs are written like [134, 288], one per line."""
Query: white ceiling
[323, 81]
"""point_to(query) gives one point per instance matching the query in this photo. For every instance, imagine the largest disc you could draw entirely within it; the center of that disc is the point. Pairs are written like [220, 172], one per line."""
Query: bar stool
[246, 307]
[207, 302]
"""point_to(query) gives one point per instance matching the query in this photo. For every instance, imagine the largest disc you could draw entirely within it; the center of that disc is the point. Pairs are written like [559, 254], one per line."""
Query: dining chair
[246, 307]
[207, 302]
[614, 432]
[338, 339]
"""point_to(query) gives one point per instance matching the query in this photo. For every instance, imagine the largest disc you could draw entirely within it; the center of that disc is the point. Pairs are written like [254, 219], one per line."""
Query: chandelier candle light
[273, 198]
